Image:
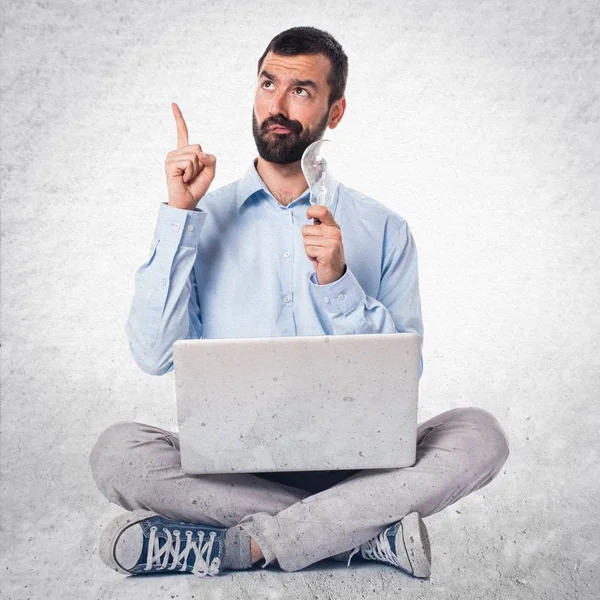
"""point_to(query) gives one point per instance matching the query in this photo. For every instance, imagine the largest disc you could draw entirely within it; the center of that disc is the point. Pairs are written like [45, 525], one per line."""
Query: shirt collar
[251, 184]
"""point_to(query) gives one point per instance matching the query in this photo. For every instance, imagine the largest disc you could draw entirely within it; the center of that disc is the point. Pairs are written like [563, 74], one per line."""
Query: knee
[489, 445]
[493, 441]
[110, 450]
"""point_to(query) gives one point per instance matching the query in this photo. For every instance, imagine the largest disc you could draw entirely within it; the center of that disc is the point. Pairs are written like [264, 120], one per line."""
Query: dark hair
[310, 40]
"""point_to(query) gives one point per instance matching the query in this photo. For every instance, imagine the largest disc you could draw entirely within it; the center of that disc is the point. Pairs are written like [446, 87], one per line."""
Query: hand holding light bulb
[323, 240]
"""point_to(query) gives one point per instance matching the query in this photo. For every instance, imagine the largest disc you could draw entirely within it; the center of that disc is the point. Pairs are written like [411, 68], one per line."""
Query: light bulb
[316, 166]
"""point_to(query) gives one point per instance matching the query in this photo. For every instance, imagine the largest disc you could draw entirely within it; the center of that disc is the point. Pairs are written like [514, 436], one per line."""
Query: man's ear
[336, 112]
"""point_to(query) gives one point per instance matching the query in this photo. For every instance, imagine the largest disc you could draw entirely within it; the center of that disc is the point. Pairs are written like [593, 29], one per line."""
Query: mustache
[294, 126]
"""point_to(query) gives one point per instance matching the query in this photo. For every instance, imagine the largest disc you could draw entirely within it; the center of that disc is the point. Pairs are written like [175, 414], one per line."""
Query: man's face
[292, 93]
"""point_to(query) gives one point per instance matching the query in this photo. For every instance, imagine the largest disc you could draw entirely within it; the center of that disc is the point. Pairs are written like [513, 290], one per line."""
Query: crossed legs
[458, 452]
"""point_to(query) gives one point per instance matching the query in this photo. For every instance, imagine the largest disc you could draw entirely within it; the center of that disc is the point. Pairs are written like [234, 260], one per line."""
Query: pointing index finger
[182, 131]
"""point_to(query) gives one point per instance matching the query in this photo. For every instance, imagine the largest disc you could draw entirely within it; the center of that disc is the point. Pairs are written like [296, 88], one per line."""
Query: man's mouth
[279, 129]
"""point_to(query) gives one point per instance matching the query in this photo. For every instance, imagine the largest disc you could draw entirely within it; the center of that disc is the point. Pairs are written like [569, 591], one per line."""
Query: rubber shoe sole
[416, 544]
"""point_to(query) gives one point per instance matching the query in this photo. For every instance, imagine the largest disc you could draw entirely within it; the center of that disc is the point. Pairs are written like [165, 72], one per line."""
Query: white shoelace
[378, 549]
[178, 554]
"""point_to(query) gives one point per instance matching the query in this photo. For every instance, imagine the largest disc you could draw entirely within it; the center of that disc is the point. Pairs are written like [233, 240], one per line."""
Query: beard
[285, 148]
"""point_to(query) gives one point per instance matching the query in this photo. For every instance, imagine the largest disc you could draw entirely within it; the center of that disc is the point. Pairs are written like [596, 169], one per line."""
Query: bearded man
[255, 259]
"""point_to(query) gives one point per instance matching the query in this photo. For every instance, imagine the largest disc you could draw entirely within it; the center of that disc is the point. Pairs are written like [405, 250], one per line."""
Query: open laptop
[303, 403]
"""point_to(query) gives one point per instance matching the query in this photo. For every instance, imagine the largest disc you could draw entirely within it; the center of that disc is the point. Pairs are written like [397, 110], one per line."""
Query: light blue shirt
[236, 267]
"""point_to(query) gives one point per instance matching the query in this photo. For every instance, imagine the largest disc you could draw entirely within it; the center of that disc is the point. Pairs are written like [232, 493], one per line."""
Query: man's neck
[285, 182]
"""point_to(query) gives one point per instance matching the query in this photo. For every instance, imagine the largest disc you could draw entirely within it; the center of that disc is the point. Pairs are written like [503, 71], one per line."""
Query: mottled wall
[477, 121]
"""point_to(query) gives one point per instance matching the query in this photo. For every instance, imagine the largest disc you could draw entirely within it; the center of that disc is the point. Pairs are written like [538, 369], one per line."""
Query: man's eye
[302, 90]
[267, 82]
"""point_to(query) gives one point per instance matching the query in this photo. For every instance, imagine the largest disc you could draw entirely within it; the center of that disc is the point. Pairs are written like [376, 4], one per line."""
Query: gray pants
[299, 518]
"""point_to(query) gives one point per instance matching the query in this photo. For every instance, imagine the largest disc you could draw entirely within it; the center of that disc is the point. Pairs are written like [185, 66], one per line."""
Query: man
[247, 260]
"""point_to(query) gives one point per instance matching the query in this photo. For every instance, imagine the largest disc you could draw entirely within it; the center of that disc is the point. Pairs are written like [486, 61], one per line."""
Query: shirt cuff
[341, 296]
[178, 226]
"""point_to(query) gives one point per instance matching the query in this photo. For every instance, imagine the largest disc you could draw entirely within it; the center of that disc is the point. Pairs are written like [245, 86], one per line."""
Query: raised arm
[165, 306]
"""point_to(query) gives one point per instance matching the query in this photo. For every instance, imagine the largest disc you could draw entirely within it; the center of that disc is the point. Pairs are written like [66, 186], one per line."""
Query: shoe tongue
[162, 541]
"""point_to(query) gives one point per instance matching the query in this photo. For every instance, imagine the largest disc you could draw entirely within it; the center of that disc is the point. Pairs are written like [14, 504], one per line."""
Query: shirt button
[176, 225]
[286, 299]
[326, 299]
[286, 254]
[190, 228]
[341, 297]
[163, 282]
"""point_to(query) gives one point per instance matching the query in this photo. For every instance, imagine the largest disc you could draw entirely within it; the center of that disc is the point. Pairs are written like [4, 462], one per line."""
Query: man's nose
[279, 104]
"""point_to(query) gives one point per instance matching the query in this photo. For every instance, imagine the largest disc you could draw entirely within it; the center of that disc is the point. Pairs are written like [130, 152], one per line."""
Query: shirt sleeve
[165, 304]
[396, 309]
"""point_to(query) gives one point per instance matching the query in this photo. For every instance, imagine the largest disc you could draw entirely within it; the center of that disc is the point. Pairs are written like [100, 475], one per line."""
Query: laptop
[300, 403]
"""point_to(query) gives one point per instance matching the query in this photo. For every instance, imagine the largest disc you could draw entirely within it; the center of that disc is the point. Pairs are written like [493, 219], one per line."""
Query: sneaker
[141, 542]
[404, 545]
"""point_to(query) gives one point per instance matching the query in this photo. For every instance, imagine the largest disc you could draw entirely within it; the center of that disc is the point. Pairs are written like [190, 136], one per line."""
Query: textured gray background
[477, 121]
